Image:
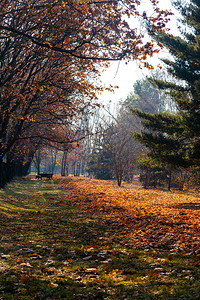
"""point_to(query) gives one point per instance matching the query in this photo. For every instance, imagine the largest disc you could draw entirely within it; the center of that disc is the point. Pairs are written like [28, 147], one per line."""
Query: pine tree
[174, 138]
[145, 97]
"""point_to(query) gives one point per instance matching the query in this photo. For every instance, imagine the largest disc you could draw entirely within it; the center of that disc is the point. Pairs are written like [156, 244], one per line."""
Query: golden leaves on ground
[145, 218]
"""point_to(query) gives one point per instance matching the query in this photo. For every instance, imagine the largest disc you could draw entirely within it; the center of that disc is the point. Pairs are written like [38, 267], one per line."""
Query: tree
[40, 97]
[146, 97]
[100, 163]
[149, 99]
[114, 152]
[120, 146]
[82, 29]
[49, 55]
[174, 138]
[39, 154]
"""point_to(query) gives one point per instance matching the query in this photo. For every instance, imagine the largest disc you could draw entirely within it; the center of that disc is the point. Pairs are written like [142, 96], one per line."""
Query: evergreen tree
[145, 97]
[100, 164]
[174, 138]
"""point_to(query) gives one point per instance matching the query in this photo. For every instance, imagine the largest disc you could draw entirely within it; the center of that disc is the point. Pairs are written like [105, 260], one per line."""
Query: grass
[53, 247]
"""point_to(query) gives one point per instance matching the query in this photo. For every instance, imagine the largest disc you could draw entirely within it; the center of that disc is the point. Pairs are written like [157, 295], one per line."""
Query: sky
[121, 75]
[125, 75]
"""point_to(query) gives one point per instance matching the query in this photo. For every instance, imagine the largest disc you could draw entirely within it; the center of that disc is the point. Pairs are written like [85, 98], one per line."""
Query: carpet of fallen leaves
[84, 239]
[147, 218]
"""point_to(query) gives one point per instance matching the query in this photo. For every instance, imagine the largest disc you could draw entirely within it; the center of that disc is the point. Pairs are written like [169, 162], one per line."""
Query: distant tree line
[114, 152]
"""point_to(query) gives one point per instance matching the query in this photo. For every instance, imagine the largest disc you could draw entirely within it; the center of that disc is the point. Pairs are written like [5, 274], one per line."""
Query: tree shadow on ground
[194, 206]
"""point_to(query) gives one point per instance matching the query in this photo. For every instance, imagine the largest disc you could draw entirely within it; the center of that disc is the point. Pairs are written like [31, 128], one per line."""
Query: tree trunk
[63, 164]
[2, 179]
[169, 180]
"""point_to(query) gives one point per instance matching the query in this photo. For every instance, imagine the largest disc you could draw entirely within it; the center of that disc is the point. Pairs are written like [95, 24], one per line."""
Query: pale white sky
[124, 75]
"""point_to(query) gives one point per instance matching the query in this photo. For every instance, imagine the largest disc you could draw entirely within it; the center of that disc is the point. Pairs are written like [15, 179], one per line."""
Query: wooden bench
[44, 175]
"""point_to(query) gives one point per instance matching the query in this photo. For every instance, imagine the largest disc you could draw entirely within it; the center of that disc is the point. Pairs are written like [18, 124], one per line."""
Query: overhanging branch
[59, 49]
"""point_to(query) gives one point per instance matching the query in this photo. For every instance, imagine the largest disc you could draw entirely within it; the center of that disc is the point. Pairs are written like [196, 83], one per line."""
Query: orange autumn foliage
[52, 55]
[143, 218]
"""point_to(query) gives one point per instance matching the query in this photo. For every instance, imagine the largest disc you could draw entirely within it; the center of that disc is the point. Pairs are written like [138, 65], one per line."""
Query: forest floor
[79, 238]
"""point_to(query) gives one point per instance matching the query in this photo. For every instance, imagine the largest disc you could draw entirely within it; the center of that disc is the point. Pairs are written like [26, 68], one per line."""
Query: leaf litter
[88, 239]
